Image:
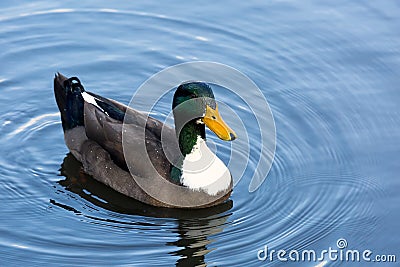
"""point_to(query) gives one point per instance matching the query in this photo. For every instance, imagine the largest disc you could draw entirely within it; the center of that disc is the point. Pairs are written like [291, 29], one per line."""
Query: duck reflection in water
[194, 227]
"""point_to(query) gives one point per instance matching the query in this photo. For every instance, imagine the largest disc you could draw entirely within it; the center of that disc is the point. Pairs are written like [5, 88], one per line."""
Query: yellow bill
[216, 124]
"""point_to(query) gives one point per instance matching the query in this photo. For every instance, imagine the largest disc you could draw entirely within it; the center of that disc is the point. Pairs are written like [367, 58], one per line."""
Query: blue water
[330, 71]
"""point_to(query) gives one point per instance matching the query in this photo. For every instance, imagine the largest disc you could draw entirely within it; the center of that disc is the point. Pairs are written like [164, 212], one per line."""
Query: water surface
[329, 69]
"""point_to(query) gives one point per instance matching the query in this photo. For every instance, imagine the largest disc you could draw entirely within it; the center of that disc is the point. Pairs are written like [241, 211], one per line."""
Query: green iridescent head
[194, 102]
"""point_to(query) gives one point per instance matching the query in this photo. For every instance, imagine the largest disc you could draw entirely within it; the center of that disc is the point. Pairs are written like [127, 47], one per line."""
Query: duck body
[112, 140]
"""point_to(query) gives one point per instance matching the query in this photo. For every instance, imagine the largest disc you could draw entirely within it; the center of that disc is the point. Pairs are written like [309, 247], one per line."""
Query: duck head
[194, 107]
[194, 102]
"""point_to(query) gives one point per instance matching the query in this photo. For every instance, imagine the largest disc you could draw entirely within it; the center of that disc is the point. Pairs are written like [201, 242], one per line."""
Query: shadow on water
[194, 227]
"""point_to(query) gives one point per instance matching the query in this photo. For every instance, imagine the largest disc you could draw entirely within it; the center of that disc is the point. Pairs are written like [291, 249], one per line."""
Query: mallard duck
[141, 157]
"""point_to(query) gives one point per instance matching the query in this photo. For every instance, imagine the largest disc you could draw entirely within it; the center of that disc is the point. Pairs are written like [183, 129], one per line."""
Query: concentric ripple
[328, 71]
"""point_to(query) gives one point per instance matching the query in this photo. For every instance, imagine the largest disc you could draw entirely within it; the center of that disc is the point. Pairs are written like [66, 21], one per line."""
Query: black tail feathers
[68, 93]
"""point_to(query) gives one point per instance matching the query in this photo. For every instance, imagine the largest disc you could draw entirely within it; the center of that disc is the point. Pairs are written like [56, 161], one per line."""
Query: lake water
[330, 71]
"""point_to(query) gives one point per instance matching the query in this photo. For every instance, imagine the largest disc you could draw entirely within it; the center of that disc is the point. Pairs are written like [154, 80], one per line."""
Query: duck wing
[103, 121]
[106, 119]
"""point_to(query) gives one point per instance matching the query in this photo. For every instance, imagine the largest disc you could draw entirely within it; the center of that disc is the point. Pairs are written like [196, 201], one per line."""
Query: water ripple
[332, 88]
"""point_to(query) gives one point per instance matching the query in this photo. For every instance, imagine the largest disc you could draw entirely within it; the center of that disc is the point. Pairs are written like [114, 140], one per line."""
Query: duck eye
[213, 117]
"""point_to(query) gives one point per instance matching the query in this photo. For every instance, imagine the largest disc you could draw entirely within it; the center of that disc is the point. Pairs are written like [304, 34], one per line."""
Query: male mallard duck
[179, 171]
